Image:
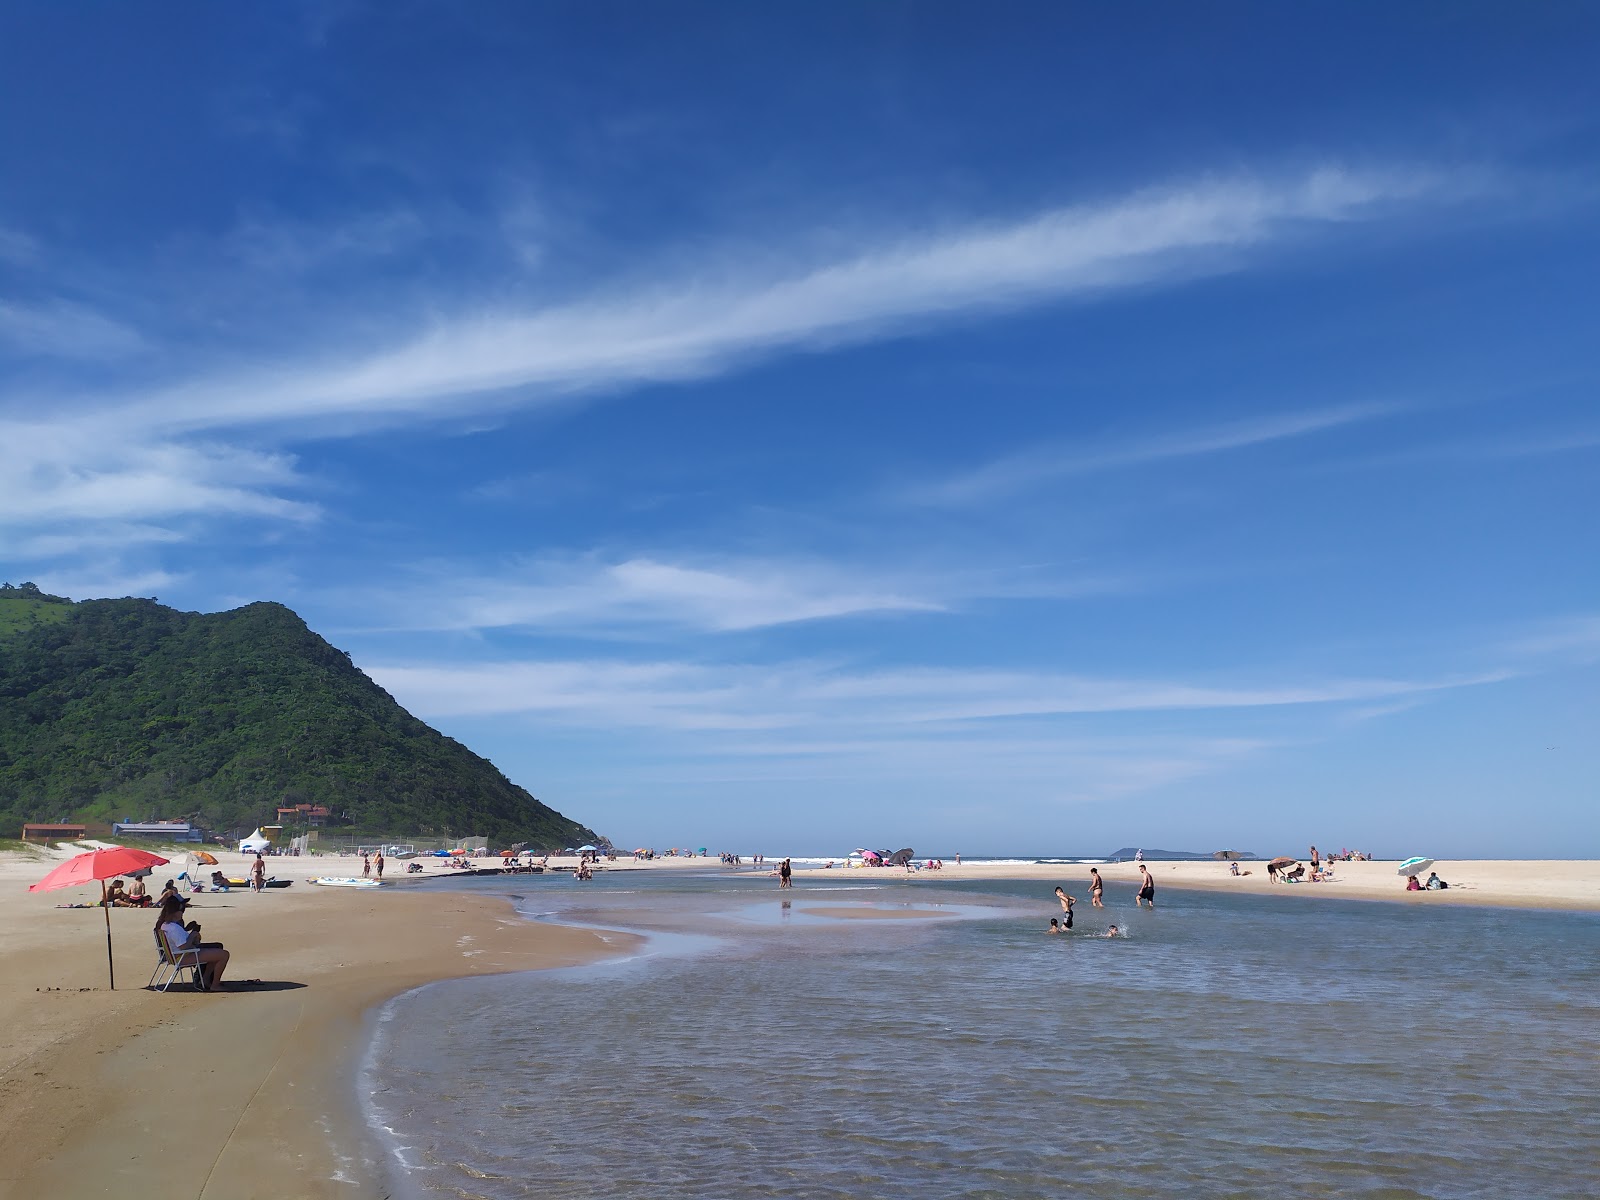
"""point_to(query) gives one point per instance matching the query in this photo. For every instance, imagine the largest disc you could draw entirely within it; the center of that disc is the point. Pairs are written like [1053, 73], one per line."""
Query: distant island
[118, 707]
[1127, 852]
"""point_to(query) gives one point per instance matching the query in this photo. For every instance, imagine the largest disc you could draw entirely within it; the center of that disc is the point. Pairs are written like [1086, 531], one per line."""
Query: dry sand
[250, 1093]
[1561, 884]
[243, 1093]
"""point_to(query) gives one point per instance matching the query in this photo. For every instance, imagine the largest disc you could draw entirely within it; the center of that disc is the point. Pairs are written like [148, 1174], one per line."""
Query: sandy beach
[1506, 883]
[250, 1093]
[241, 1094]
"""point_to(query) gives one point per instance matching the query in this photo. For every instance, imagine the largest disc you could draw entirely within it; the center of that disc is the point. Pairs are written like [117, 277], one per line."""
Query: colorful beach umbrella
[1283, 860]
[1414, 866]
[98, 866]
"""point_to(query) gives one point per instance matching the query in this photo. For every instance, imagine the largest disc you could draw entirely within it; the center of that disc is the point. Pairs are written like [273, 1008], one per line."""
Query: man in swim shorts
[1096, 886]
[1066, 906]
[1147, 888]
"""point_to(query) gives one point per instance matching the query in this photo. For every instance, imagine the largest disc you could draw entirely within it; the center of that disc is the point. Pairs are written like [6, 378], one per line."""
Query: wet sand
[872, 914]
[244, 1093]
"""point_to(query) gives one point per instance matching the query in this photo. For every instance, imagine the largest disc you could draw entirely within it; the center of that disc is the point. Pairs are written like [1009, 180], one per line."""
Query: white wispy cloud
[276, 245]
[651, 329]
[686, 695]
[99, 579]
[64, 329]
[1062, 460]
[65, 474]
[709, 322]
[1575, 639]
[595, 594]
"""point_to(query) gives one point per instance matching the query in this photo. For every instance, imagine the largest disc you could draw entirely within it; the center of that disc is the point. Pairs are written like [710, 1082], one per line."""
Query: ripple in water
[1230, 1046]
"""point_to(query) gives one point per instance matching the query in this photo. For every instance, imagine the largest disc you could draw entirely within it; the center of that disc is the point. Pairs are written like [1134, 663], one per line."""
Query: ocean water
[1227, 1046]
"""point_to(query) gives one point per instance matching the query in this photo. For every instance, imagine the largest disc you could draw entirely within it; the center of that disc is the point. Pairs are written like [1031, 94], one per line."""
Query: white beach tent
[254, 842]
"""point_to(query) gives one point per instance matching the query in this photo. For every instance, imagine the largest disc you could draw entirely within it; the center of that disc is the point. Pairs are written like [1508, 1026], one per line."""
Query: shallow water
[1228, 1046]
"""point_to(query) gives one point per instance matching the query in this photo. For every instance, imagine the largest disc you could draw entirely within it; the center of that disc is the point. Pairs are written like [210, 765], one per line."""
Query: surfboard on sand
[348, 882]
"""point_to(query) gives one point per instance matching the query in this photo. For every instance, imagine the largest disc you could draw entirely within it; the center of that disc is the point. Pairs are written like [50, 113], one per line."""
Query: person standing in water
[1066, 906]
[1147, 888]
[1096, 886]
[784, 875]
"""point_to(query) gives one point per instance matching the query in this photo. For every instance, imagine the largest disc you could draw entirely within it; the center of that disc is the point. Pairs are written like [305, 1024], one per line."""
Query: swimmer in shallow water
[1112, 932]
[1066, 906]
[1055, 926]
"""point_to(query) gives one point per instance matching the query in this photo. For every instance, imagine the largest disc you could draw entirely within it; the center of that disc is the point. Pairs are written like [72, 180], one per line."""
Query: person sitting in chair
[211, 956]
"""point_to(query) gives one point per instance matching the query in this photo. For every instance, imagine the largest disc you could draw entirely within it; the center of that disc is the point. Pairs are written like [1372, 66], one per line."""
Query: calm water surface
[1229, 1046]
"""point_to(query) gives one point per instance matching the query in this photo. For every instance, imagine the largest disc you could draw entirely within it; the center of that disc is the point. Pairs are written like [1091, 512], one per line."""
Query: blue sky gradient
[788, 427]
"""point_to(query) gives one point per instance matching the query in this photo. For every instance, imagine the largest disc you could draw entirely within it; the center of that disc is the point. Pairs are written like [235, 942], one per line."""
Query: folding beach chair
[174, 963]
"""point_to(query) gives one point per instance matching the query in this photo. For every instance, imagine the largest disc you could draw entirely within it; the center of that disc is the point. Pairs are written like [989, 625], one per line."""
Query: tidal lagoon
[839, 1041]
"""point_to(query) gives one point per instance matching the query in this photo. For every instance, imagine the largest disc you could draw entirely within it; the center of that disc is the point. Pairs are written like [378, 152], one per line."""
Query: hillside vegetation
[120, 708]
[26, 607]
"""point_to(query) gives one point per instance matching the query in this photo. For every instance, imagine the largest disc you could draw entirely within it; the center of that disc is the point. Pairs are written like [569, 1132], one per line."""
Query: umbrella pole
[111, 967]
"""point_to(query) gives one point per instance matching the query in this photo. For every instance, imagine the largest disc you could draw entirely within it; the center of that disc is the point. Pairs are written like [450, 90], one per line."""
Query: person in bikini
[1096, 886]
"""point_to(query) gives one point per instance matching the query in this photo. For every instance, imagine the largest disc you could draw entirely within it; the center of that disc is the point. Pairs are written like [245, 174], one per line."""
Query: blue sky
[788, 427]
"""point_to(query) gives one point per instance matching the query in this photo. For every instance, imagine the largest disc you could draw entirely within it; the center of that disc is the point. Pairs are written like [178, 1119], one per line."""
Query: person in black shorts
[1147, 888]
[1066, 907]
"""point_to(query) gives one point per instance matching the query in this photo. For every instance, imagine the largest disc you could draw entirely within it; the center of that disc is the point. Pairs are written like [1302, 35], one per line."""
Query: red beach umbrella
[105, 863]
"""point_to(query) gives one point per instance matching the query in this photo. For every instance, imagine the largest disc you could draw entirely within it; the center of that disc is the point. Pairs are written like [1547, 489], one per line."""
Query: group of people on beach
[1146, 898]
[132, 895]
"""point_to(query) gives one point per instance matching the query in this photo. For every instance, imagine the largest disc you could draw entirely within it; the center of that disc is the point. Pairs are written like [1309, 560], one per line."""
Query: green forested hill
[113, 708]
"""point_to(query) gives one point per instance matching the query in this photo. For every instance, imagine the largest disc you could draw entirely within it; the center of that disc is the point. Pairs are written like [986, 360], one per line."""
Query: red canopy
[106, 863]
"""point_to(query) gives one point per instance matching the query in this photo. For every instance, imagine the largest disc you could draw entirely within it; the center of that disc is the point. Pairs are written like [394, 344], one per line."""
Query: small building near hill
[312, 816]
[49, 832]
[172, 831]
